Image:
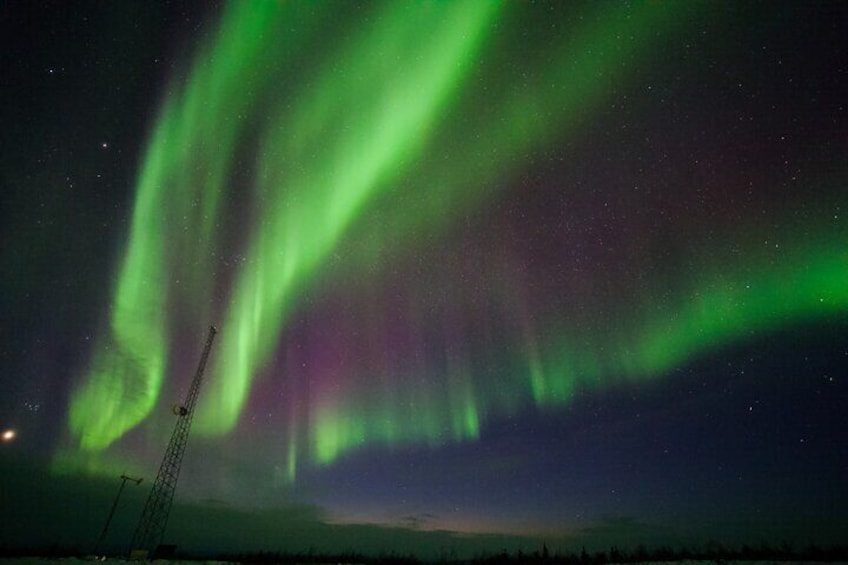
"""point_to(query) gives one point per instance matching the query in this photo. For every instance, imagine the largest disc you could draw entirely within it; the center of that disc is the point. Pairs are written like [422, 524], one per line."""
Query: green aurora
[405, 119]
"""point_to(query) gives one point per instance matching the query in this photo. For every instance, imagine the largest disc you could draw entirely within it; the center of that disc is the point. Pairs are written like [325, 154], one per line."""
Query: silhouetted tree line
[712, 551]
[353, 558]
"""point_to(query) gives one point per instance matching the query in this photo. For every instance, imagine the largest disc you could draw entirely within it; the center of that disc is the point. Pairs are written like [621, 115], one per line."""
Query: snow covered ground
[78, 561]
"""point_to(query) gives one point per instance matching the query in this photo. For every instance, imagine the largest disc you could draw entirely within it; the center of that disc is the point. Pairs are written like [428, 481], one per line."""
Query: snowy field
[78, 561]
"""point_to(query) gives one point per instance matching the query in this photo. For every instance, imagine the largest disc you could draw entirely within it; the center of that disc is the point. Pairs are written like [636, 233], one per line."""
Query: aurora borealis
[434, 235]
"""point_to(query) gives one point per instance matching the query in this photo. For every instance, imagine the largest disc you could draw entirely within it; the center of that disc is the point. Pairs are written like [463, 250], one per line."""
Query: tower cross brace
[154, 518]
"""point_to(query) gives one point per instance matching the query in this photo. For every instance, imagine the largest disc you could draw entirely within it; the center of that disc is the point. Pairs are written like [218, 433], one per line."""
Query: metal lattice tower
[154, 517]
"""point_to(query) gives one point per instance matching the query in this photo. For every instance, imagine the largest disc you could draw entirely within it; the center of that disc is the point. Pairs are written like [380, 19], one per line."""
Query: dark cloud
[417, 521]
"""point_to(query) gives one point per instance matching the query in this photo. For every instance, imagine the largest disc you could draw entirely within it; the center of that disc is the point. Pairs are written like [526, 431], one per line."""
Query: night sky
[486, 276]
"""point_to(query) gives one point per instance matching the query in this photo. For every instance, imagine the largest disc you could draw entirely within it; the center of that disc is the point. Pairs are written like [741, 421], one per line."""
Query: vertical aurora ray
[365, 122]
[461, 169]
[176, 211]
[300, 166]
[323, 161]
[547, 361]
[127, 370]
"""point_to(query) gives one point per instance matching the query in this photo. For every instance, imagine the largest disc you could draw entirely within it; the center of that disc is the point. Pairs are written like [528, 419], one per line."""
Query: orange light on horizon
[8, 435]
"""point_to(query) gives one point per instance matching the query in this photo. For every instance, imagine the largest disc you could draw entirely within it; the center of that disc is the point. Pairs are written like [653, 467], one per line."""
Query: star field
[560, 273]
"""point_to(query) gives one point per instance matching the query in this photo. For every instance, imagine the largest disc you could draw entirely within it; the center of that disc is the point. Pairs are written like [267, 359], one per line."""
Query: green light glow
[363, 123]
[723, 308]
[127, 370]
[507, 125]
[418, 414]
[283, 171]
[177, 201]
[314, 184]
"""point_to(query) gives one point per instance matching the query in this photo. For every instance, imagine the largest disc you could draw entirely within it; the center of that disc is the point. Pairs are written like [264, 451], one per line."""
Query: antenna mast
[154, 517]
